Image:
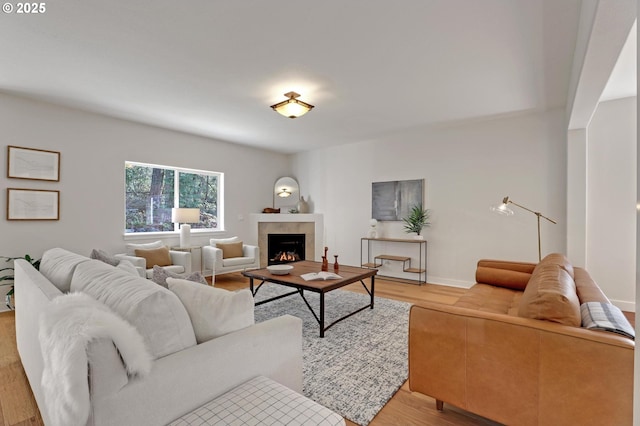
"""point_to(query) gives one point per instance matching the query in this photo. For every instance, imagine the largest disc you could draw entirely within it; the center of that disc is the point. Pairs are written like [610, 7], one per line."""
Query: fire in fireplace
[285, 248]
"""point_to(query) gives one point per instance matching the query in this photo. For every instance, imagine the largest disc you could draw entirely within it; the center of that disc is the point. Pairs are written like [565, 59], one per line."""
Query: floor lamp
[505, 210]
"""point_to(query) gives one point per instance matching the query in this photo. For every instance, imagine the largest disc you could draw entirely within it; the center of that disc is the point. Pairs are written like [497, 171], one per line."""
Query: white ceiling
[371, 67]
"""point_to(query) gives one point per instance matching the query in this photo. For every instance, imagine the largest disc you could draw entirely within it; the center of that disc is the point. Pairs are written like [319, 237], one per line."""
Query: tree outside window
[152, 191]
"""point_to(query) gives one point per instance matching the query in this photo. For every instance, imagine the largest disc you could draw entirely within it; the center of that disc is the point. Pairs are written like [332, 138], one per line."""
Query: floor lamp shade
[504, 209]
[185, 216]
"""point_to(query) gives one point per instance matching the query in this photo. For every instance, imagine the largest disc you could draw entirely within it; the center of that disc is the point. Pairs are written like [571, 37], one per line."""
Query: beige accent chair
[180, 261]
[218, 264]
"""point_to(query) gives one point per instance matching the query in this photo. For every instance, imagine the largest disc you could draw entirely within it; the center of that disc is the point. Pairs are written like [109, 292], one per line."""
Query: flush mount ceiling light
[284, 192]
[292, 107]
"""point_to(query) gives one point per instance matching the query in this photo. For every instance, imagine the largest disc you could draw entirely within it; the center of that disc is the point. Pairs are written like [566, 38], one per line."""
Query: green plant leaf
[417, 219]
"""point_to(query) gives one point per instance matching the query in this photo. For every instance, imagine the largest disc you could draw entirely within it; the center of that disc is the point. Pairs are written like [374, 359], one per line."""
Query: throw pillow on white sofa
[104, 256]
[161, 274]
[213, 311]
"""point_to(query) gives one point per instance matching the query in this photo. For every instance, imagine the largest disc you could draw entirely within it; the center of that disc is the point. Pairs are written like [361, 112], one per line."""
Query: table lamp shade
[185, 216]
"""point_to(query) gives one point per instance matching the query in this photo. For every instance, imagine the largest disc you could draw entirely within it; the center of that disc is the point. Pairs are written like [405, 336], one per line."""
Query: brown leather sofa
[512, 349]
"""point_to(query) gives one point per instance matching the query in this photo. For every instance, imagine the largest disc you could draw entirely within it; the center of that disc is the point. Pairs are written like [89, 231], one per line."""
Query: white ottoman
[260, 401]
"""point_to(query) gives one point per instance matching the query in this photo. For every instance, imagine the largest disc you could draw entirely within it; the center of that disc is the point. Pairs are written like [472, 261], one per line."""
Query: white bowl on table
[280, 269]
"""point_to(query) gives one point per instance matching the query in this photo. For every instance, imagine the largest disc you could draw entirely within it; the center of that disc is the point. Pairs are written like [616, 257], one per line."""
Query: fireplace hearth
[285, 248]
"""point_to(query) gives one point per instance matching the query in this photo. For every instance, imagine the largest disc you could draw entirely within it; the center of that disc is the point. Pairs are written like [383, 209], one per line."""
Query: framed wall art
[35, 164]
[32, 204]
[393, 200]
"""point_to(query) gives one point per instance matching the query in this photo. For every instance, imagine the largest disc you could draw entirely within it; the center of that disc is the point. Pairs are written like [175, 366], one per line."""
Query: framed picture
[35, 164]
[393, 200]
[32, 204]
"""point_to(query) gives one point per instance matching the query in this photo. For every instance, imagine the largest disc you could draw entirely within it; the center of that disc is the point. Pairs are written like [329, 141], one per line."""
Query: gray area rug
[361, 362]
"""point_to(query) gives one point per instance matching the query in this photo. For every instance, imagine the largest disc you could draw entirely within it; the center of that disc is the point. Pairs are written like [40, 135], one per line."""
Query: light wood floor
[406, 408]
[18, 407]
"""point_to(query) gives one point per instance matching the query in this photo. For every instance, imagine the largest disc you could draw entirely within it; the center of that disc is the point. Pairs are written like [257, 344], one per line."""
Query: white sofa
[181, 380]
[215, 261]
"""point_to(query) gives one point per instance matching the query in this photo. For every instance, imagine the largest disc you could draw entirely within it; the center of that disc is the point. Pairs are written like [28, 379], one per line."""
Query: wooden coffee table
[349, 274]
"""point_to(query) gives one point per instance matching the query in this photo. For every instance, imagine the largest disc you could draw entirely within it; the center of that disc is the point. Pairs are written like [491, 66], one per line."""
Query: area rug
[361, 362]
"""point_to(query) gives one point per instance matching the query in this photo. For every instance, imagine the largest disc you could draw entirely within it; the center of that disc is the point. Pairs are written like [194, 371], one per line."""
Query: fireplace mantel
[280, 221]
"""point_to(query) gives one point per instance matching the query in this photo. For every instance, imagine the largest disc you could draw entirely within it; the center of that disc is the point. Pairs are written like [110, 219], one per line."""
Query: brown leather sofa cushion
[587, 289]
[502, 277]
[560, 260]
[491, 298]
[551, 295]
[508, 265]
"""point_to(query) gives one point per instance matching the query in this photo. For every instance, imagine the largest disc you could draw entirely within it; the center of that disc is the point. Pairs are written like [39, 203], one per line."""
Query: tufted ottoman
[260, 401]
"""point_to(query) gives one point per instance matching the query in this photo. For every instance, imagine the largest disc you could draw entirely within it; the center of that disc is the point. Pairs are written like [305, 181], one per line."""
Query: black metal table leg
[322, 314]
[373, 283]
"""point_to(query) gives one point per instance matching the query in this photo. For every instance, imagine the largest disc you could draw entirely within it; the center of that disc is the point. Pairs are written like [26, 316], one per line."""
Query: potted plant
[9, 276]
[417, 219]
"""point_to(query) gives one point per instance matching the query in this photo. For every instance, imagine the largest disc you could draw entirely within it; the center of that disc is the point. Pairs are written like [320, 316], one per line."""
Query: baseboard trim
[449, 282]
[624, 305]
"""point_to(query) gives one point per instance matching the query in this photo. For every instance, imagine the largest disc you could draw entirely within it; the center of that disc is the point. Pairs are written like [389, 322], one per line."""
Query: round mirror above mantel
[286, 194]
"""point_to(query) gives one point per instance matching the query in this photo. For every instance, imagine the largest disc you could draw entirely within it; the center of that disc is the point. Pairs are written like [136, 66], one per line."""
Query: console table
[375, 261]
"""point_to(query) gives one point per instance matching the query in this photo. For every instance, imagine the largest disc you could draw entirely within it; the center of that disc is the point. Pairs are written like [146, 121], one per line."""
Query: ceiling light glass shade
[292, 107]
[284, 192]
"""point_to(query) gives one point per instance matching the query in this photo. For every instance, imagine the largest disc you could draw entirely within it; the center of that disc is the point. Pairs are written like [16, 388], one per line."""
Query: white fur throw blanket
[68, 324]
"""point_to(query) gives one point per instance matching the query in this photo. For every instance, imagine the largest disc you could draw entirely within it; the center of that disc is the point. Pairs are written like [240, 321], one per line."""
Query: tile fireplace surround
[311, 225]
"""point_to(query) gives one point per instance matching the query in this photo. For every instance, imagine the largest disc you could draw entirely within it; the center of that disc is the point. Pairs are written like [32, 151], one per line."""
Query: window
[152, 191]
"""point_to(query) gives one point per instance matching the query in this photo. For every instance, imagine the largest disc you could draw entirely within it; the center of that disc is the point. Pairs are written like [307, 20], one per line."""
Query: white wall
[577, 197]
[93, 151]
[466, 167]
[611, 200]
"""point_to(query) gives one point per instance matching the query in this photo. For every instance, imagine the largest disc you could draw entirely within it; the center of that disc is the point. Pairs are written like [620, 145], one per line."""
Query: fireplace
[285, 248]
[309, 224]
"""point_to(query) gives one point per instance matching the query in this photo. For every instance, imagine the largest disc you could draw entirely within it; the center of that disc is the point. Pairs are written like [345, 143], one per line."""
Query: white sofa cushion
[214, 241]
[58, 266]
[213, 311]
[156, 312]
[131, 248]
[237, 261]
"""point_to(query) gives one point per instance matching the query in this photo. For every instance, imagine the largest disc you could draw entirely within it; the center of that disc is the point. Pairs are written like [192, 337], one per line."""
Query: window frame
[176, 227]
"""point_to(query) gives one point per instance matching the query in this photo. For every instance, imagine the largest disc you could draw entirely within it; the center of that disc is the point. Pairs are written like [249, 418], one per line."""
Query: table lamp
[185, 216]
